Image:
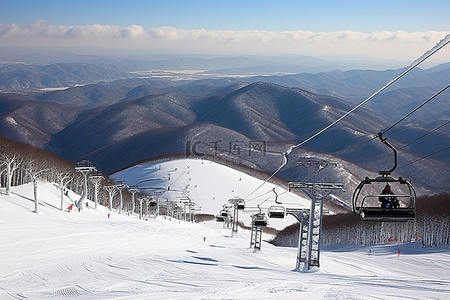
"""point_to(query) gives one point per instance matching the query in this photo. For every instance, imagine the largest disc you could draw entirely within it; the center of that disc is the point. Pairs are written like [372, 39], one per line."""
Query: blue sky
[318, 15]
[395, 29]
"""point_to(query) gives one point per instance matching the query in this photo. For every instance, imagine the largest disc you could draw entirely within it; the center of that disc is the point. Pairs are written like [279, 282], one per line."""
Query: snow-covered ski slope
[85, 255]
[211, 185]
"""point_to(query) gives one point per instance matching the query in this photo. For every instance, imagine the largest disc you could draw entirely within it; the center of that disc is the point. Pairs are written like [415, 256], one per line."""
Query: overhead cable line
[403, 118]
[407, 115]
[425, 134]
[419, 159]
[417, 62]
[416, 109]
[359, 145]
[380, 156]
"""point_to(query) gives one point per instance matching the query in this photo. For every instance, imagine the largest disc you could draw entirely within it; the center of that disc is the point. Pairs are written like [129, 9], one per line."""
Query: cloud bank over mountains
[382, 45]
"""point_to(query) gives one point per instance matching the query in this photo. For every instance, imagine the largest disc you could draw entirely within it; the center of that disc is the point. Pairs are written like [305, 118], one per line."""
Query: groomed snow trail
[60, 255]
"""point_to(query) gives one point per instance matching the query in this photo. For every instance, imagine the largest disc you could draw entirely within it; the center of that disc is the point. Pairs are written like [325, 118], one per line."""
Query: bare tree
[10, 162]
[96, 180]
[111, 192]
[84, 167]
[34, 172]
[63, 179]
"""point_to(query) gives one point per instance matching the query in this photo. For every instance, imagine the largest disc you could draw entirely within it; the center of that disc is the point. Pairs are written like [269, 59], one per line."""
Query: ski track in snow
[85, 255]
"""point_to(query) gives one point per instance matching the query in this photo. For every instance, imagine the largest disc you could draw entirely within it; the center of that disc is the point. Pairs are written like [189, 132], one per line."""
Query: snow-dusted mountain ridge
[117, 124]
[209, 186]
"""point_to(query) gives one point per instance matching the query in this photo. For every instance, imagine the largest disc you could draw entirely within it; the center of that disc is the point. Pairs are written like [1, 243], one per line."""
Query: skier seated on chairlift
[388, 201]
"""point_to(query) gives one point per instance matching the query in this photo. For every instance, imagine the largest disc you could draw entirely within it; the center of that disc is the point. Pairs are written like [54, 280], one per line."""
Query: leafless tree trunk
[63, 180]
[34, 173]
[11, 162]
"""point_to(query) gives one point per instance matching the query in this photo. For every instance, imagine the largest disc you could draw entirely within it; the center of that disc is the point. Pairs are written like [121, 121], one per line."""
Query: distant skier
[388, 201]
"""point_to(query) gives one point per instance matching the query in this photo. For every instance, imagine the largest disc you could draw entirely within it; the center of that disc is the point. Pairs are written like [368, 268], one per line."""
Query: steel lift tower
[238, 204]
[310, 231]
[259, 220]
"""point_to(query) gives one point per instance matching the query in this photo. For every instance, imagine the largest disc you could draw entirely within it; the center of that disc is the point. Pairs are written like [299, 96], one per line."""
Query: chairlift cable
[425, 134]
[380, 156]
[269, 191]
[358, 145]
[419, 159]
[417, 62]
[259, 196]
[376, 158]
[297, 170]
[268, 198]
[416, 109]
[403, 118]
[173, 182]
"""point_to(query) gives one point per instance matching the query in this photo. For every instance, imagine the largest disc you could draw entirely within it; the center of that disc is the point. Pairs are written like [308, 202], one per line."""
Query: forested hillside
[22, 163]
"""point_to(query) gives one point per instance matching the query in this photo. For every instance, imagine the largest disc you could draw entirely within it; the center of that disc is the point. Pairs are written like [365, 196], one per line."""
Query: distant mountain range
[24, 78]
[116, 120]
[113, 80]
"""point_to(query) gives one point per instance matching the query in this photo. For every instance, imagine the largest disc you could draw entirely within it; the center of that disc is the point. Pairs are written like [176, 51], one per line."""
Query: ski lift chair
[220, 218]
[241, 204]
[276, 211]
[365, 205]
[260, 220]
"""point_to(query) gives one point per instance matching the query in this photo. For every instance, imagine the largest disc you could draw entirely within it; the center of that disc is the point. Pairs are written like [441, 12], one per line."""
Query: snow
[52, 89]
[86, 255]
[211, 185]
[433, 50]
[10, 120]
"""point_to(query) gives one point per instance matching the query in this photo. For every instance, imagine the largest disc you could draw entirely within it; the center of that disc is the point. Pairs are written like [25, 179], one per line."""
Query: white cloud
[42, 29]
[384, 44]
